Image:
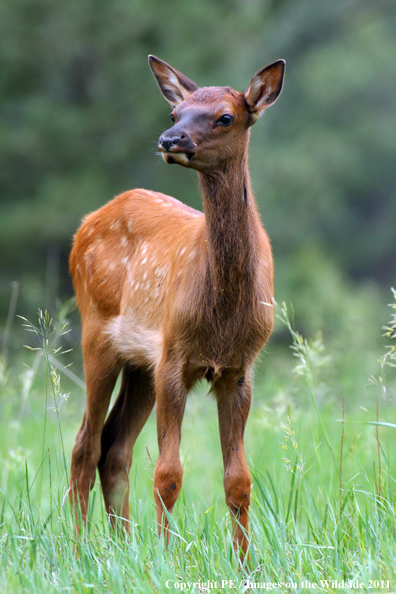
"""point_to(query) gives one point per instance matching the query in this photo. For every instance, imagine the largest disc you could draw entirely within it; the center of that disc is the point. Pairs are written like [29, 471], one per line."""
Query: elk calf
[170, 295]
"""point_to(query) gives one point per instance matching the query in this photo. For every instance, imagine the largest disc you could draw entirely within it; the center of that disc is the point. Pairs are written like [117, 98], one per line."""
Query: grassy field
[320, 448]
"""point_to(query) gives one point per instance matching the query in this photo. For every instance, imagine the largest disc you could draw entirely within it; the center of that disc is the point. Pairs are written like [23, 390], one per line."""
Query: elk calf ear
[264, 89]
[174, 86]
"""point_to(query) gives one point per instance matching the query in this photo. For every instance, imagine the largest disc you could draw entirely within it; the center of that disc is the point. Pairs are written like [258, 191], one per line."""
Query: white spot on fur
[182, 251]
[124, 261]
[144, 260]
[124, 241]
[115, 225]
[129, 225]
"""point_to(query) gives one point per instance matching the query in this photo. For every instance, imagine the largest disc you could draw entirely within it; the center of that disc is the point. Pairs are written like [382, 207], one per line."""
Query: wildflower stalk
[342, 450]
[379, 454]
[47, 335]
[296, 469]
[310, 358]
[389, 358]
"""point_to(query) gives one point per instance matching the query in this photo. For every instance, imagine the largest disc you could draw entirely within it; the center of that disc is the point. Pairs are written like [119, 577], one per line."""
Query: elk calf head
[211, 123]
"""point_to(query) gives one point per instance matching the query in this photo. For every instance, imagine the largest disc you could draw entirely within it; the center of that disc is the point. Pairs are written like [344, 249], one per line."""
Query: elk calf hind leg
[101, 376]
[123, 425]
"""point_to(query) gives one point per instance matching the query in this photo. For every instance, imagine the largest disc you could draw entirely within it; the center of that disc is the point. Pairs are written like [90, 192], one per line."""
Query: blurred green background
[80, 115]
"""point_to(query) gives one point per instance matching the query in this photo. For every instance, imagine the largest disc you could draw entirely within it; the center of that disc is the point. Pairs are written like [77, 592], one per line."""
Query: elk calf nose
[168, 143]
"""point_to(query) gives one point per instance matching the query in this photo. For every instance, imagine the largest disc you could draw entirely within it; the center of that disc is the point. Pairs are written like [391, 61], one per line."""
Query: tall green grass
[323, 495]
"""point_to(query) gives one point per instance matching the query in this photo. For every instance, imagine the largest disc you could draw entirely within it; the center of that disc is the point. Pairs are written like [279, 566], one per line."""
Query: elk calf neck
[169, 295]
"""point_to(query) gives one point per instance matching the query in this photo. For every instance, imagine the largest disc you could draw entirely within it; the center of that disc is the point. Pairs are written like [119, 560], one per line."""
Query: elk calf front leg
[168, 476]
[233, 402]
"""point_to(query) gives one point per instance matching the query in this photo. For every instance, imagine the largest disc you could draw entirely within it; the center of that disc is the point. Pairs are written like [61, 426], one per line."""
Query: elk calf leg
[101, 372]
[115, 483]
[168, 479]
[85, 458]
[125, 421]
[237, 494]
[168, 476]
[233, 403]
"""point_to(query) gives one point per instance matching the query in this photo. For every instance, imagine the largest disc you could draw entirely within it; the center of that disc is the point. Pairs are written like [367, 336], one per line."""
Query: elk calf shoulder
[169, 295]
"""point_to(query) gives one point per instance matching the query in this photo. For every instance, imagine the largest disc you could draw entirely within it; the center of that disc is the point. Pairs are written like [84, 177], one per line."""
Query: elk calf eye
[172, 117]
[225, 120]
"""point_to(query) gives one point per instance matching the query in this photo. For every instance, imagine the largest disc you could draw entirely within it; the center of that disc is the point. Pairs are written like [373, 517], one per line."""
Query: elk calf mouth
[179, 157]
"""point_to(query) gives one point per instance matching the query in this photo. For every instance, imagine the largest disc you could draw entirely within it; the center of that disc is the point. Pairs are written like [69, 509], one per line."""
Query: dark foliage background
[80, 115]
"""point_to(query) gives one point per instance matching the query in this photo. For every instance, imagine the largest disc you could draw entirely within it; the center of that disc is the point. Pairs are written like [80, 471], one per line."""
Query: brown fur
[170, 296]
